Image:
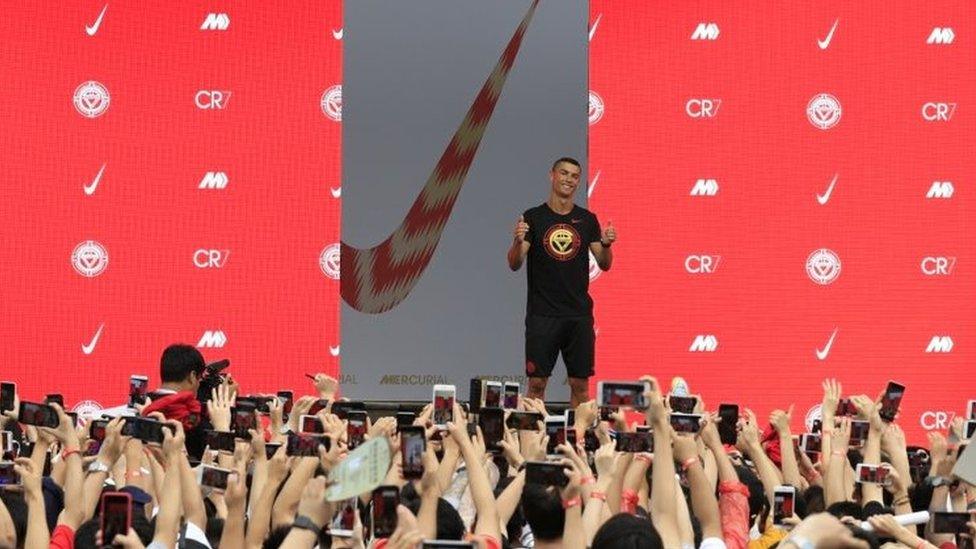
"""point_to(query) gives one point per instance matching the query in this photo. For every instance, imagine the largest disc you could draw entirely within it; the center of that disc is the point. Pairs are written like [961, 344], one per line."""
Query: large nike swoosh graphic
[377, 279]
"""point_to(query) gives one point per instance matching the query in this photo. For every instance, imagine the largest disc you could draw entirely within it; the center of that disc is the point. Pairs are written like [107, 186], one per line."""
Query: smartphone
[622, 394]
[147, 430]
[545, 473]
[682, 404]
[138, 387]
[511, 395]
[570, 414]
[524, 421]
[222, 441]
[405, 419]
[242, 419]
[591, 442]
[116, 514]
[96, 436]
[311, 424]
[476, 394]
[413, 443]
[8, 476]
[784, 501]
[305, 444]
[493, 394]
[270, 449]
[635, 442]
[318, 406]
[55, 398]
[344, 522]
[572, 439]
[42, 415]
[971, 412]
[817, 427]
[492, 423]
[606, 413]
[810, 442]
[859, 432]
[7, 391]
[342, 408]
[891, 400]
[728, 430]
[287, 399]
[686, 423]
[845, 408]
[356, 428]
[872, 474]
[556, 431]
[970, 429]
[383, 516]
[944, 522]
[443, 400]
[213, 477]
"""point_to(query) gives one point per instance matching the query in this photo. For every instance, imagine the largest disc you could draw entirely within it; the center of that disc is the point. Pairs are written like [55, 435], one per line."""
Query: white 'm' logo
[703, 108]
[91, 99]
[702, 264]
[940, 344]
[823, 111]
[704, 343]
[213, 180]
[210, 258]
[595, 107]
[216, 21]
[331, 102]
[214, 339]
[940, 189]
[941, 36]
[704, 187]
[705, 31]
[938, 265]
[89, 258]
[823, 266]
[329, 261]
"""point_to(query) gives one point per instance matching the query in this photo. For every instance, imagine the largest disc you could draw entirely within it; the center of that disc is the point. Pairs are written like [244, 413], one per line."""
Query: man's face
[565, 178]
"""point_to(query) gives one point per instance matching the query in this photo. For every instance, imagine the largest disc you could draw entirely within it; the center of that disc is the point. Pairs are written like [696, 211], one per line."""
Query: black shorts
[546, 336]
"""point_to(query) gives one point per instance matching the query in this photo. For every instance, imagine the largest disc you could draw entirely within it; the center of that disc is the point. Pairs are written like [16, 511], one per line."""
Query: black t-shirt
[559, 261]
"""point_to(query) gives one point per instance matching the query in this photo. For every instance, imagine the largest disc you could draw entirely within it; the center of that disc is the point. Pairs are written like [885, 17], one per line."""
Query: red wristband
[68, 452]
[587, 480]
[573, 502]
[688, 463]
[645, 458]
[602, 496]
[920, 545]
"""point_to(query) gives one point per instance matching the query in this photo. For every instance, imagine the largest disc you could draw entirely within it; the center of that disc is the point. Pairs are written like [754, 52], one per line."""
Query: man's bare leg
[579, 388]
[537, 387]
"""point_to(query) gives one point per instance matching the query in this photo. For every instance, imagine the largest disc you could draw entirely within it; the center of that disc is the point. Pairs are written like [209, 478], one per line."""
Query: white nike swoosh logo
[88, 349]
[91, 30]
[334, 351]
[90, 189]
[337, 34]
[336, 192]
[822, 354]
[823, 198]
[589, 190]
[593, 28]
[826, 41]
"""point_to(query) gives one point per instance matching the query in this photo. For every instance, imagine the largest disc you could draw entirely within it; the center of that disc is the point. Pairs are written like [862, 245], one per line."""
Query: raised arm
[520, 245]
[663, 512]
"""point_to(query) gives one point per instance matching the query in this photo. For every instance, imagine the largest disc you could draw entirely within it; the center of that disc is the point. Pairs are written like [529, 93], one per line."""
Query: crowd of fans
[65, 486]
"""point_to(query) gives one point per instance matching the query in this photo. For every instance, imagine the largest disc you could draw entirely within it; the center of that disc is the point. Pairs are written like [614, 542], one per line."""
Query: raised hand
[521, 228]
[218, 407]
[609, 234]
[326, 385]
[780, 421]
[831, 398]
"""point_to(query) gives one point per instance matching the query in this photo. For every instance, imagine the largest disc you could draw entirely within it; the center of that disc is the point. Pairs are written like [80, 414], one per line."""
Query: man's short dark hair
[543, 508]
[178, 361]
[568, 160]
[624, 531]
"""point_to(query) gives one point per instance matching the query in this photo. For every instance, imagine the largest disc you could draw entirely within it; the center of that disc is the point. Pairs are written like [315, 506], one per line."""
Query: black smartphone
[686, 423]
[405, 419]
[311, 424]
[944, 522]
[891, 400]
[8, 476]
[270, 449]
[343, 408]
[147, 430]
[859, 432]
[355, 428]
[845, 408]
[413, 443]
[728, 430]
[545, 473]
[476, 394]
[8, 390]
[384, 511]
[242, 419]
[116, 515]
[286, 398]
[492, 422]
[213, 477]
[305, 445]
[222, 441]
[635, 442]
[622, 393]
[817, 426]
[138, 387]
[96, 436]
[524, 421]
[42, 415]
[55, 398]
[682, 404]
[318, 406]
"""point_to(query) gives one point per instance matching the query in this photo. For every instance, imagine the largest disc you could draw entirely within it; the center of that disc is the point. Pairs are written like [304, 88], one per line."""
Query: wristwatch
[98, 467]
[939, 481]
[305, 523]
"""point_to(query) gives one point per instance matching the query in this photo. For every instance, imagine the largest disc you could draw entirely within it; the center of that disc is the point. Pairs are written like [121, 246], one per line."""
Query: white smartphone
[556, 431]
[621, 394]
[784, 501]
[493, 394]
[138, 387]
[511, 395]
[345, 520]
[213, 477]
[810, 442]
[443, 400]
[873, 474]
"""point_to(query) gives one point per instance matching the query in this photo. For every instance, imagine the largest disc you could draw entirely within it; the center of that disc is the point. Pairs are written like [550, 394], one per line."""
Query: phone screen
[32, 413]
[891, 400]
[859, 432]
[305, 445]
[96, 435]
[214, 477]
[810, 442]
[635, 442]
[356, 433]
[686, 423]
[871, 474]
[345, 520]
[491, 421]
[8, 476]
[782, 505]
[556, 431]
[138, 386]
[493, 394]
[7, 391]
[511, 395]
[949, 523]
[545, 473]
[220, 441]
[443, 404]
[242, 419]
[405, 419]
[623, 394]
[682, 404]
[728, 426]
[116, 517]
[412, 446]
[385, 500]
[54, 398]
[286, 398]
[524, 421]
[312, 424]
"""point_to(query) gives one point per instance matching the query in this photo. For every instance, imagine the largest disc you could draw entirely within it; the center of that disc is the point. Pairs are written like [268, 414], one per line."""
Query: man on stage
[555, 237]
